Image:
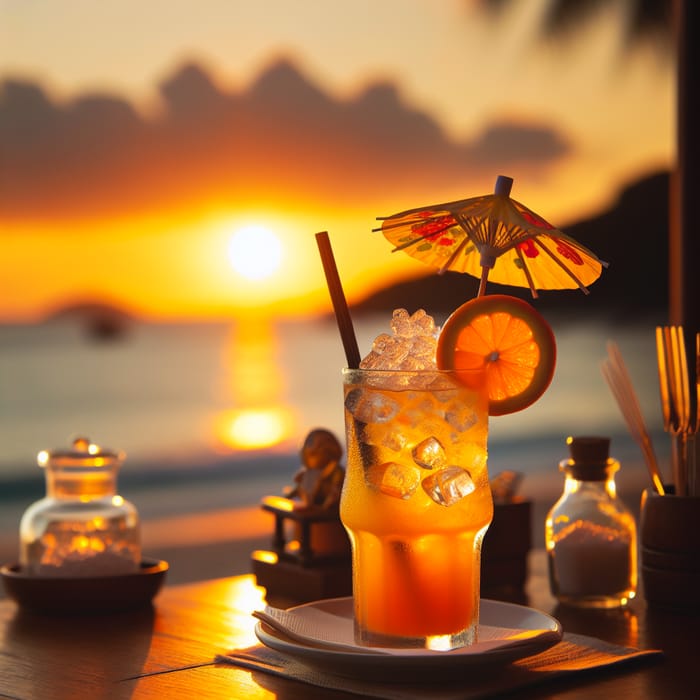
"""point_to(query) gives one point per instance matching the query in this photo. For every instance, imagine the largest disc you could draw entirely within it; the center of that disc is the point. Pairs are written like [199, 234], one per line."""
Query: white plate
[540, 631]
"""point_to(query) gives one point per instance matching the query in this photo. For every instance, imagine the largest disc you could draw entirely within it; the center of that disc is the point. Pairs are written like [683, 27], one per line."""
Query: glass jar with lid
[590, 534]
[82, 527]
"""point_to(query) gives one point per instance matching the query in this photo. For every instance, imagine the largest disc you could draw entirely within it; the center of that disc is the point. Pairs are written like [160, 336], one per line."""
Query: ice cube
[381, 435]
[370, 406]
[381, 342]
[448, 486]
[393, 479]
[401, 323]
[387, 352]
[423, 348]
[423, 321]
[420, 411]
[478, 459]
[413, 363]
[460, 417]
[408, 326]
[447, 397]
[395, 440]
[429, 454]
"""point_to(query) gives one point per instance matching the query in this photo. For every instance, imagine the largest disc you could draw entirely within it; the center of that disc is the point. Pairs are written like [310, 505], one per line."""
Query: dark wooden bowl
[89, 595]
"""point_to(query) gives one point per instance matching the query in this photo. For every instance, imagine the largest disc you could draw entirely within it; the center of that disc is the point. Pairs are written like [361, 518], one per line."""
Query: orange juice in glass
[416, 503]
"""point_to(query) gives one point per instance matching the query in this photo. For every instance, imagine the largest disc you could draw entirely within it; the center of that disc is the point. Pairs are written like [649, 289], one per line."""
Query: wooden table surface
[168, 651]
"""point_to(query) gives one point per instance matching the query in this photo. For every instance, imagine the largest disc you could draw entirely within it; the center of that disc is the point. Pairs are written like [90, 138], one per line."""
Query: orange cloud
[282, 138]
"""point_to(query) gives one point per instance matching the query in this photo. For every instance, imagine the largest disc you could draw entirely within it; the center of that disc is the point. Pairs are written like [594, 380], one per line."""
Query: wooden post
[684, 223]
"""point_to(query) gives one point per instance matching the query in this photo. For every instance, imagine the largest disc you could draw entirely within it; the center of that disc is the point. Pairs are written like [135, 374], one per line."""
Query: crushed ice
[411, 347]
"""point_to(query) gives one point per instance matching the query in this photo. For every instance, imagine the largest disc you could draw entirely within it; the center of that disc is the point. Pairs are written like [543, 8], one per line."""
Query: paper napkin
[575, 655]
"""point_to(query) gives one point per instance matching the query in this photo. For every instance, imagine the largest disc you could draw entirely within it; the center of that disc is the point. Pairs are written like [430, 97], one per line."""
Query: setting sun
[255, 252]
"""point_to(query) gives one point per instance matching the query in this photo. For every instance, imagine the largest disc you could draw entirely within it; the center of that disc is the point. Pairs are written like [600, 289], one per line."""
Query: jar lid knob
[82, 444]
[81, 453]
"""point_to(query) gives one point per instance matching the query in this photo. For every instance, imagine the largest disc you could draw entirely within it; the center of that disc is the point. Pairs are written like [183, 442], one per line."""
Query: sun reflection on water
[258, 417]
[254, 428]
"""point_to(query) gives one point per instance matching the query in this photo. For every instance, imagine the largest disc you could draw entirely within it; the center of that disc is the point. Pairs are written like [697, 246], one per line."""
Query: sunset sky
[138, 138]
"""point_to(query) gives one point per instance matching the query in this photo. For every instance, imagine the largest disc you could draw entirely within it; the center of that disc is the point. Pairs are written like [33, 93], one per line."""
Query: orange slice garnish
[510, 340]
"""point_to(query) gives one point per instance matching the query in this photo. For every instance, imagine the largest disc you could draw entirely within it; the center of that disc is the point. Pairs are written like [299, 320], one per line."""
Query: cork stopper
[590, 458]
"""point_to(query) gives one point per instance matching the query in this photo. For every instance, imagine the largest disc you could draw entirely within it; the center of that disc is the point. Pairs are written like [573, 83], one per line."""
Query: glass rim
[346, 371]
[473, 380]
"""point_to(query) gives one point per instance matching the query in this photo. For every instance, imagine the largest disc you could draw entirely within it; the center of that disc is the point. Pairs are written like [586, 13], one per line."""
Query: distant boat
[105, 327]
[101, 322]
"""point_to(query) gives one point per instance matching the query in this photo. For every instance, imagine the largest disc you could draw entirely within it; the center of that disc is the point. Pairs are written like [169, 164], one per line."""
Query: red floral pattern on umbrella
[494, 237]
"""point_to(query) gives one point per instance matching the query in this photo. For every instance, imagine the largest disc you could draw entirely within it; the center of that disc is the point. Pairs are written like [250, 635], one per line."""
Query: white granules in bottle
[592, 560]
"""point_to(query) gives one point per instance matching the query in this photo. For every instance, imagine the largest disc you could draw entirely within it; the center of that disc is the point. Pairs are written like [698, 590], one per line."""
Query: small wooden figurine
[311, 555]
[320, 478]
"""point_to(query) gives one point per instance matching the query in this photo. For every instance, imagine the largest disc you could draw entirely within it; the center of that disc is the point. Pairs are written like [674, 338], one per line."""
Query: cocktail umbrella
[494, 237]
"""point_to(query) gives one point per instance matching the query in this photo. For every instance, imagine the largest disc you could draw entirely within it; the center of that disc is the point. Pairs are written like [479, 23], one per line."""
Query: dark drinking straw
[340, 305]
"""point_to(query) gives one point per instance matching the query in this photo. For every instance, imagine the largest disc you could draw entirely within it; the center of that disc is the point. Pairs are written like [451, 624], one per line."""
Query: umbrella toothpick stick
[483, 280]
[502, 188]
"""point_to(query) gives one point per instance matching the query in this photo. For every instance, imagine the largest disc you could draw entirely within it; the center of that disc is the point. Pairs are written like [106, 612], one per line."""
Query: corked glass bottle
[590, 535]
[82, 527]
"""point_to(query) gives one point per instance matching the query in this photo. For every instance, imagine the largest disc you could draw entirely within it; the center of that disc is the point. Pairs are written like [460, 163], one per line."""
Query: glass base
[438, 642]
[601, 602]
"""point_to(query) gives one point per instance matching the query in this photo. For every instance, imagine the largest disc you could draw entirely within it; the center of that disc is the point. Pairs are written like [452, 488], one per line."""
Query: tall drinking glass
[416, 504]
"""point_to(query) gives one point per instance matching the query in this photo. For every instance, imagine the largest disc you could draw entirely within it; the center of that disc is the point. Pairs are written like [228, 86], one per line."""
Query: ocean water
[167, 396]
